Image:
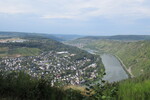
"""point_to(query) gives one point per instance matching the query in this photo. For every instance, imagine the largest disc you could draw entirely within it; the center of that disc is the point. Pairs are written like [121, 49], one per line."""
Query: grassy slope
[26, 51]
[3, 51]
[131, 90]
[23, 51]
[135, 89]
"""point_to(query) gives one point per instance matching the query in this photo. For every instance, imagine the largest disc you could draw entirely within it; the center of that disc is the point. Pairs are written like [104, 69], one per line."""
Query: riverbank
[128, 71]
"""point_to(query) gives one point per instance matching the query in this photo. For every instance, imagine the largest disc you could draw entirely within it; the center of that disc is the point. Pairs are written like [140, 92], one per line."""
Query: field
[17, 52]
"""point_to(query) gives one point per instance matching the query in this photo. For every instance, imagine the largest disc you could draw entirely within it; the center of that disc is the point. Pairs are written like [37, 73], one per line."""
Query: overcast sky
[84, 17]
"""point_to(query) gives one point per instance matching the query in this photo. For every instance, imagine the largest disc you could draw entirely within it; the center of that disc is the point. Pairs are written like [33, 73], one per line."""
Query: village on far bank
[56, 66]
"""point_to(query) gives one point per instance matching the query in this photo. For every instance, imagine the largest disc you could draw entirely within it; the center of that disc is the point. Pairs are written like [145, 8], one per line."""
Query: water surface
[113, 68]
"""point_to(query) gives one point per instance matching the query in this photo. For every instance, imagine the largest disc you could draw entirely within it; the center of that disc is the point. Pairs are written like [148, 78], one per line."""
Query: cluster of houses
[12, 40]
[58, 67]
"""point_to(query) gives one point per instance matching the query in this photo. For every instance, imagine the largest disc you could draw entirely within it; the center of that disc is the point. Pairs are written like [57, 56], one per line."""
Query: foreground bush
[20, 86]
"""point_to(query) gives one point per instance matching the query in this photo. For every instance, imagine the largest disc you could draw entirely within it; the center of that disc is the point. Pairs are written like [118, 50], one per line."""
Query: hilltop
[120, 37]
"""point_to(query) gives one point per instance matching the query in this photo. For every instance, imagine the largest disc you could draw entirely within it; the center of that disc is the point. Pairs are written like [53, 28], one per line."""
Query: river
[114, 69]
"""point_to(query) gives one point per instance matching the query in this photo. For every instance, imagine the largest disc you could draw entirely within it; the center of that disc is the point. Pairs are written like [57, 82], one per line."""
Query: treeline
[20, 86]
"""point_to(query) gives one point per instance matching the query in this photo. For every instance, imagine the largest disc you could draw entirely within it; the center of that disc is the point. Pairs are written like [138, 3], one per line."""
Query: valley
[74, 49]
[107, 66]
[135, 54]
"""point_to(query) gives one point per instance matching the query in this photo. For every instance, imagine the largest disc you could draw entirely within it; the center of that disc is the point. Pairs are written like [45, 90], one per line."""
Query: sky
[82, 17]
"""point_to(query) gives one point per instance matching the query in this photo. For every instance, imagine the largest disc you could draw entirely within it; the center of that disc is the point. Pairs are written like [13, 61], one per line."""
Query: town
[57, 67]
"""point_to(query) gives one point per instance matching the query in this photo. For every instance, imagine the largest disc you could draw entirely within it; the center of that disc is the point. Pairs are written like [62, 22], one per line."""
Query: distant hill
[25, 34]
[120, 37]
[57, 37]
[67, 37]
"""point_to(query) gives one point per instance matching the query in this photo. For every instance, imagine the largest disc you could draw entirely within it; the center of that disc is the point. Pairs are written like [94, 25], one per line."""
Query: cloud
[14, 7]
[77, 9]
[58, 17]
[81, 9]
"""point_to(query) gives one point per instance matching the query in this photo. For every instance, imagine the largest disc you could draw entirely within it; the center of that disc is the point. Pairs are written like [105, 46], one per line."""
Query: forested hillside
[135, 55]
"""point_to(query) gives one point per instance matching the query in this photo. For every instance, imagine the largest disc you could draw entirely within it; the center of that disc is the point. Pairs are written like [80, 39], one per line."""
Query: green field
[23, 51]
